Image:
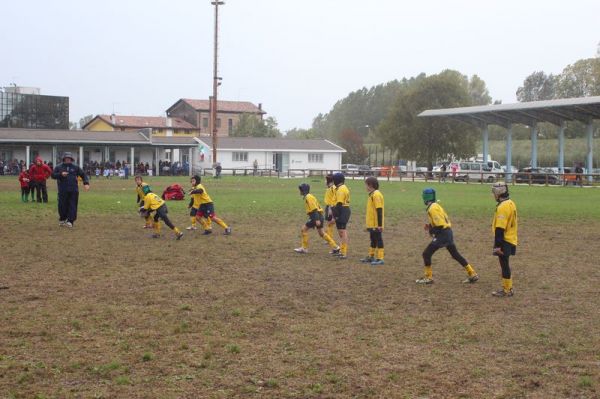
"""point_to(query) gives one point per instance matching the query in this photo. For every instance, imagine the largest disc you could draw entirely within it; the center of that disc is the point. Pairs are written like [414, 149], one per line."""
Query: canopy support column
[190, 160]
[81, 156]
[590, 146]
[534, 134]
[156, 162]
[27, 156]
[508, 173]
[561, 147]
[54, 155]
[132, 161]
[486, 146]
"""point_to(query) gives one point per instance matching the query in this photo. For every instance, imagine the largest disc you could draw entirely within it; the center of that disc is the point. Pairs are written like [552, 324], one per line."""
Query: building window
[239, 157]
[230, 125]
[315, 158]
[205, 122]
[218, 123]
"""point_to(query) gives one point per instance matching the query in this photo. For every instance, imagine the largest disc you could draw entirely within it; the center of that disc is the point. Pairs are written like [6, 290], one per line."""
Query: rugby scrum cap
[338, 178]
[304, 188]
[146, 189]
[68, 155]
[428, 195]
[500, 189]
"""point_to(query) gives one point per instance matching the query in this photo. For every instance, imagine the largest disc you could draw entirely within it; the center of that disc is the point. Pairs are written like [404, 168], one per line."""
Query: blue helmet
[428, 195]
[304, 188]
[338, 178]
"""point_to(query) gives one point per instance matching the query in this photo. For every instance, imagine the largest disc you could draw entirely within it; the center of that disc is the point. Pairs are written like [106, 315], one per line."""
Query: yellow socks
[372, 252]
[380, 253]
[220, 223]
[507, 284]
[149, 221]
[470, 270]
[193, 218]
[304, 240]
[428, 272]
[156, 226]
[329, 230]
[344, 249]
[329, 240]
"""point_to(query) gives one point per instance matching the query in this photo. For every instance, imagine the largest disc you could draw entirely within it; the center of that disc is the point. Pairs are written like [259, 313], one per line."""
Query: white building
[142, 147]
[270, 153]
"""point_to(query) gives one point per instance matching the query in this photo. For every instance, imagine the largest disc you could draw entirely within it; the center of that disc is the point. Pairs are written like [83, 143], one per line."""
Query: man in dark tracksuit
[66, 175]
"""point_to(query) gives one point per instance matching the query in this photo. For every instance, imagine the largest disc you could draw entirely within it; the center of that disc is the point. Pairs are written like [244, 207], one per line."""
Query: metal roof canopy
[583, 109]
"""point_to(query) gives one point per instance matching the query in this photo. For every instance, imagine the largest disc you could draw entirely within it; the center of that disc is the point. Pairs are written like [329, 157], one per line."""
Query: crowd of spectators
[108, 169]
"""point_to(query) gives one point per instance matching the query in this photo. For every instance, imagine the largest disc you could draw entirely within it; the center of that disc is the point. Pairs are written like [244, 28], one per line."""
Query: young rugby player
[374, 222]
[329, 204]
[315, 214]
[153, 203]
[504, 228]
[139, 189]
[194, 205]
[341, 213]
[207, 208]
[439, 228]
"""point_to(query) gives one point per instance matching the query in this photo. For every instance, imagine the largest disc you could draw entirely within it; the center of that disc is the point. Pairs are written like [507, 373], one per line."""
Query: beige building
[197, 113]
[160, 125]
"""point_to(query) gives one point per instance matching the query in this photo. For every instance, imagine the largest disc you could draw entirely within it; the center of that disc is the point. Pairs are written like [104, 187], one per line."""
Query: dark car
[365, 170]
[536, 176]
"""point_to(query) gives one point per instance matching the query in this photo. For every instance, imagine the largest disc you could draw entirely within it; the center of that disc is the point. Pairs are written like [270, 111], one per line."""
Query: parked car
[349, 169]
[365, 170]
[536, 176]
[477, 171]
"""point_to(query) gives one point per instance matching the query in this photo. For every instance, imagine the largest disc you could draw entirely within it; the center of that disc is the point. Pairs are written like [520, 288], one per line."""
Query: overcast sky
[297, 58]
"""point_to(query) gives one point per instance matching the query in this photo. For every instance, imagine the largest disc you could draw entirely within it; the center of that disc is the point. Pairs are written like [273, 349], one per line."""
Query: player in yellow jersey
[341, 213]
[440, 228]
[153, 203]
[504, 228]
[316, 220]
[194, 205]
[140, 199]
[329, 204]
[207, 209]
[374, 222]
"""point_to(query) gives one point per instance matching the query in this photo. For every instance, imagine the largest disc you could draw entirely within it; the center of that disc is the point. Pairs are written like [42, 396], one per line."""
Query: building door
[277, 161]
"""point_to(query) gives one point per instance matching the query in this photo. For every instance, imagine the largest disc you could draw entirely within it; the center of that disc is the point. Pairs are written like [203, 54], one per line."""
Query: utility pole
[216, 82]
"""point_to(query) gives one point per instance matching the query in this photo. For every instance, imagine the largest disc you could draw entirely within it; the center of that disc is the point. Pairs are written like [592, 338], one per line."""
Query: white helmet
[500, 189]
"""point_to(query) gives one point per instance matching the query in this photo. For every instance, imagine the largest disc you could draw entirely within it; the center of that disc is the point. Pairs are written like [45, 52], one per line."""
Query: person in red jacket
[39, 173]
[24, 180]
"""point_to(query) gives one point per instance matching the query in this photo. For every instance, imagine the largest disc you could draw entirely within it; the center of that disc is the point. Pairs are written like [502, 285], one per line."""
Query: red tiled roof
[156, 122]
[225, 106]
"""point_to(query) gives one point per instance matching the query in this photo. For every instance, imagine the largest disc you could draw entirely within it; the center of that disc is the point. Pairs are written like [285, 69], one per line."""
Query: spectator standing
[443, 169]
[454, 167]
[39, 173]
[67, 174]
[24, 181]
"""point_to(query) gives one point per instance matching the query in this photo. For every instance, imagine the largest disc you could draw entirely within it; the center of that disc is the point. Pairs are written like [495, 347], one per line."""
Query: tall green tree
[352, 142]
[537, 87]
[429, 139]
[251, 126]
[582, 79]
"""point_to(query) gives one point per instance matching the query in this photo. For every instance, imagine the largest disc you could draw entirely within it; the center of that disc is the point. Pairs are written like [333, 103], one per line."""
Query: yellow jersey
[311, 204]
[153, 202]
[330, 196]
[437, 216]
[199, 199]
[374, 202]
[505, 218]
[342, 194]
[140, 191]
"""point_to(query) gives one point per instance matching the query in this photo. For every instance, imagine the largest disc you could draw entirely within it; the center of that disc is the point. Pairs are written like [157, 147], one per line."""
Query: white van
[476, 171]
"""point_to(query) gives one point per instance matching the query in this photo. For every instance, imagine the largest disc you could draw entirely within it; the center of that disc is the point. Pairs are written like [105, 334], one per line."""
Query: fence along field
[105, 311]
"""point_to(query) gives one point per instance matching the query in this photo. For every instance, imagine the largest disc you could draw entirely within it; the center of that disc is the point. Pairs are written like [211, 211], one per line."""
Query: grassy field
[104, 311]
